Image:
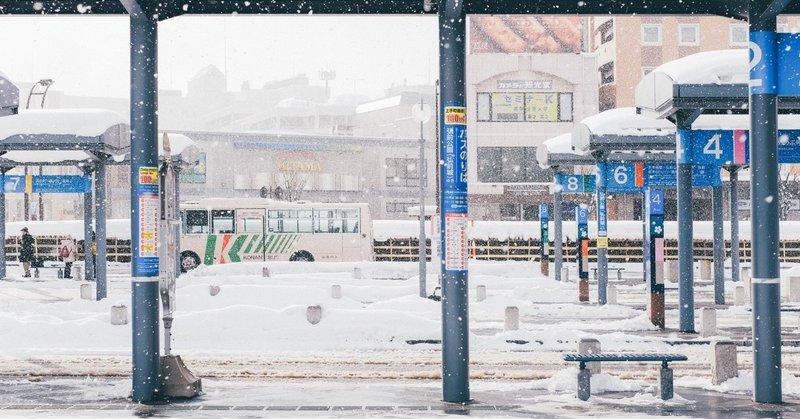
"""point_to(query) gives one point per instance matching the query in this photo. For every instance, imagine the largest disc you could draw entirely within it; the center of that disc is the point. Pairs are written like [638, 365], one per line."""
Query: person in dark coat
[26, 252]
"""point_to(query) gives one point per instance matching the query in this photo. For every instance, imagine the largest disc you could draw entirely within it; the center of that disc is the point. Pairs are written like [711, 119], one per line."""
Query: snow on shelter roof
[655, 92]
[58, 135]
[621, 123]
[558, 151]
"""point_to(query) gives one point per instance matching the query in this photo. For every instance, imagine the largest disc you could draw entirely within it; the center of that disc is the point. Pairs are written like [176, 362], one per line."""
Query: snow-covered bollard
[119, 314]
[77, 272]
[745, 273]
[673, 270]
[708, 322]
[356, 273]
[512, 318]
[314, 314]
[213, 290]
[723, 362]
[480, 292]
[748, 289]
[705, 269]
[265, 271]
[794, 289]
[738, 295]
[565, 274]
[590, 346]
[86, 292]
[336, 292]
[611, 295]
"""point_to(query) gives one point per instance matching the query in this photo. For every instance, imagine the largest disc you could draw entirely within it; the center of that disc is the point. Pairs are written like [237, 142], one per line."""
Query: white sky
[88, 55]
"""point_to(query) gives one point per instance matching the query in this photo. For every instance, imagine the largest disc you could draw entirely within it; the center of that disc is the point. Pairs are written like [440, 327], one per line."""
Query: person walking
[26, 252]
[68, 254]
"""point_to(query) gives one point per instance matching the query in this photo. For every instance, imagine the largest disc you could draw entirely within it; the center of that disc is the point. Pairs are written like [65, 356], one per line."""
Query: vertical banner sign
[582, 254]
[602, 225]
[654, 262]
[544, 220]
[147, 224]
[454, 186]
[764, 63]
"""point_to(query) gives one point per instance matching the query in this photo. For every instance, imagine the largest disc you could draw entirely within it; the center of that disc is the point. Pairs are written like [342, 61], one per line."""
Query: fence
[47, 248]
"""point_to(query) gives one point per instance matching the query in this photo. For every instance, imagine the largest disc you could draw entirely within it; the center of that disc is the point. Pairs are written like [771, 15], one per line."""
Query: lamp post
[422, 113]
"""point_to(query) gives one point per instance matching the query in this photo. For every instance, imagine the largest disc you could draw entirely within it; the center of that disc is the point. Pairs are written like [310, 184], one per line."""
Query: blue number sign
[576, 183]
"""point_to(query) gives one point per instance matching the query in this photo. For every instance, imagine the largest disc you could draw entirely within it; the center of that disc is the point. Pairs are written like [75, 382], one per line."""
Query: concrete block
[213, 290]
[265, 271]
[794, 289]
[673, 271]
[314, 314]
[77, 272]
[480, 292]
[705, 269]
[708, 322]
[119, 315]
[356, 273]
[748, 289]
[512, 318]
[565, 274]
[723, 362]
[584, 384]
[611, 294]
[86, 292]
[738, 295]
[590, 346]
[746, 273]
[176, 380]
[336, 292]
[665, 384]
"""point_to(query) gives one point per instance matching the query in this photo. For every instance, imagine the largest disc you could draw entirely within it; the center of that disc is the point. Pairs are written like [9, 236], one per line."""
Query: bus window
[336, 221]
[222, 221]
[350, 220]
[195, 222]
[252, 225]
[304, 224]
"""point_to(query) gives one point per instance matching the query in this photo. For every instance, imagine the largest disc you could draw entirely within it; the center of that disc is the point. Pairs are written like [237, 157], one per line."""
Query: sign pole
[717, 201]
[582, 252]
[734, 196]
[558, 236]
[654, 258]
[685, 229]
[544, 259]
[602, 235]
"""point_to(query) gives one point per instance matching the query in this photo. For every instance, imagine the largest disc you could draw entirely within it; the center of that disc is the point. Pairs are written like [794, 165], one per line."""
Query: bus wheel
[301, 256]
[189, 261]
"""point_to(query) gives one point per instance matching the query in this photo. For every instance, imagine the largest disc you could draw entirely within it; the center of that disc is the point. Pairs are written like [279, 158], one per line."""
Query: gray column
[734, 195]
[558, 235]
[685, 233]
[88, 228]
[3, 223]
[144, 194]
[717, 201]
[602, 235]
[100, 229]
[764, 199]
[177, 232]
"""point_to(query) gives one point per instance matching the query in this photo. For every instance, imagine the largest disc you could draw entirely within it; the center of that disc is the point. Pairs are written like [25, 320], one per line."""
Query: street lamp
[422, 113]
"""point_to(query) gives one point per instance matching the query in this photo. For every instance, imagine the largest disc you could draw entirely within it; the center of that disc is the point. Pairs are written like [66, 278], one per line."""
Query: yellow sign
[148, 176]
[602, 242]
[541, 107]
[455, 115]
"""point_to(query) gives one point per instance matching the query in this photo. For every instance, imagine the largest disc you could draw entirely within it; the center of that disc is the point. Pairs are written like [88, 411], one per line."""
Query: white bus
[226, 230]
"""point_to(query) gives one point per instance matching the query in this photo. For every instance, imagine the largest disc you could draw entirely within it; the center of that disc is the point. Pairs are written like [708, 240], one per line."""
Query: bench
[619, 272]
[584, 375]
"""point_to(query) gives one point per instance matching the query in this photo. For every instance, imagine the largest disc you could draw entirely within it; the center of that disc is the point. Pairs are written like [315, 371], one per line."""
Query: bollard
[86, 292]
[512, 318]
[314, 314]
[708, 322]
[748, 289]
[738, 296]
[35, 273]
[356, 273]
[590, 346]
[213, 290]
[565, 274]
[119, 314]
[481, 292]
[794, 289]
[336, 291]
[60, 273]
[265, 271]
[77, 273]
[611, 294]
[665, 384]
[673, 271]
[584, 384]
[723, 362]
[705, 269]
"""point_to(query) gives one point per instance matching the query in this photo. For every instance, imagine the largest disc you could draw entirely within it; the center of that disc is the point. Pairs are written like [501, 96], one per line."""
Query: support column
[685, 229]
[582, 252]
[764, 199]
[177, 232]
[544, 236]
[144, 202]
[453, 149]
[734, 195]
[3, 223]
[717, 202]
[88, 228]
[602, 236]
[100, 230]
[654, 261]
[558, 236]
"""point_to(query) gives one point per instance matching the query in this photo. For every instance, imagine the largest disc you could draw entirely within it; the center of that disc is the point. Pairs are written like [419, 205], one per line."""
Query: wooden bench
[584, 375]
[619, 272]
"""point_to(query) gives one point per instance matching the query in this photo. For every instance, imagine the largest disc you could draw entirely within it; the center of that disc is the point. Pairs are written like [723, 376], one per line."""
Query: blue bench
[584, 375]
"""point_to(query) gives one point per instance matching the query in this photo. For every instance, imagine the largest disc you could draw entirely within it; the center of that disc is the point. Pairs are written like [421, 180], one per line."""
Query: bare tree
[789, 190]
[291, 183]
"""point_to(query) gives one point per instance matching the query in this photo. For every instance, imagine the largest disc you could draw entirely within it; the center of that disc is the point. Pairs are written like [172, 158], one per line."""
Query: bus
[226, 230]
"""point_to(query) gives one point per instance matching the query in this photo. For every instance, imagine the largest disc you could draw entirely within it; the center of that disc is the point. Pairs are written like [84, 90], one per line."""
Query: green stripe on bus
[211, 244]
[262, 244]
[233, 254]
[250, 244]
[289, 243]
[275, 243]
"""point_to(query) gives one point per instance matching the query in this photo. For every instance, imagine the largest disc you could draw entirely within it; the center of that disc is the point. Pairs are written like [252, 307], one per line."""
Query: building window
[607, 73]
[606, 31]
[510, 165]
[651, 34]
[783, 28]
[739, 35]
[525, 107]
[399, 207]
[402, 172]
[689, 35]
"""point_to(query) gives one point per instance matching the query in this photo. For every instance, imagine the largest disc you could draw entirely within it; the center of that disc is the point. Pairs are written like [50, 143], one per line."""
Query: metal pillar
[602, 235]
[734, 195]
[558, 237]
[144, 202]
[453, 145]
[717, 202]
[88, 228]
[765, 200]
[685, 230]
[100, 230]
[177, 233]
[582, 251]
[654, 255]
[422, 252]
[544, 240]
[3, 223]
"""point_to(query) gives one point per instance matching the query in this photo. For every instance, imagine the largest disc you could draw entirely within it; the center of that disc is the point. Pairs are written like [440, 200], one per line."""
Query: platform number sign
[576, 183]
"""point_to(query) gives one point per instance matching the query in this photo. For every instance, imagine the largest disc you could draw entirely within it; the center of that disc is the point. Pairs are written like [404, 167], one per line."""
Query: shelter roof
[622, 129]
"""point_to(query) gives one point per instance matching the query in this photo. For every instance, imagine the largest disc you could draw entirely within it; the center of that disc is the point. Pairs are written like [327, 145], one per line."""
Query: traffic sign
[576, 183]
[47, 184]
[633, 177]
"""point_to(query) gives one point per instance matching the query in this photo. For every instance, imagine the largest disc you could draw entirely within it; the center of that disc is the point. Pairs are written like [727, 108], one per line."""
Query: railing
[47, 248]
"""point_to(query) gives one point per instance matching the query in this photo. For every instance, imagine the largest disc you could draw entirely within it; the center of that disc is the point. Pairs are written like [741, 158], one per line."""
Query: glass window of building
[402, 172]
[606, 30]
[739, 35]
[689, 35]
[651, 34]
[510, 165]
